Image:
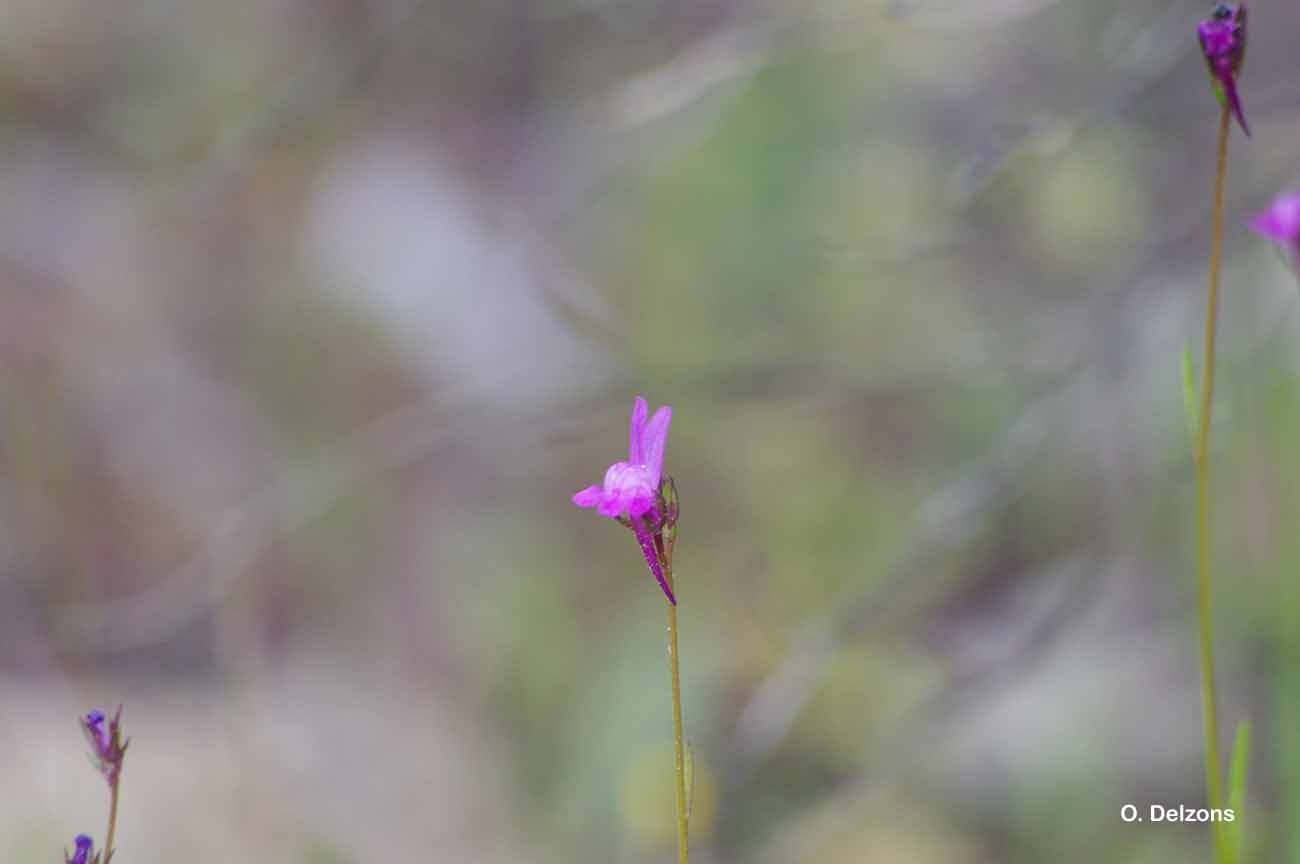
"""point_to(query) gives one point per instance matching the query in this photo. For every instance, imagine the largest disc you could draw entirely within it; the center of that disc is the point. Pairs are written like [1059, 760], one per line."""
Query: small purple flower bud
[84, 846]
[1281, 224]
[1223, 43]
[106, 744]
[97, 732]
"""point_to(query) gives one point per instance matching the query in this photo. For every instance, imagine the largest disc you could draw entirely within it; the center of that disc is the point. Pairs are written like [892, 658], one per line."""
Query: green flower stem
[679, 758]
[1203, 583]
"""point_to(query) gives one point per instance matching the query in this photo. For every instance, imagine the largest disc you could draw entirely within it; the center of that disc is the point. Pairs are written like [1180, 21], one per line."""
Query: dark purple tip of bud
[101, 739]
[1223, 34]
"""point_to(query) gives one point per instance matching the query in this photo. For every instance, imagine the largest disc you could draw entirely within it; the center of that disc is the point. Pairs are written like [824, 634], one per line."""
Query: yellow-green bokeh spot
[648, 798]
[1086, 210]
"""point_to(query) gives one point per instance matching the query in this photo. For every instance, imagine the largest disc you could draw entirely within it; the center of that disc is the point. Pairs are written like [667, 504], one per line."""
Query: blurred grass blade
[1190, 412]
[1237, 787]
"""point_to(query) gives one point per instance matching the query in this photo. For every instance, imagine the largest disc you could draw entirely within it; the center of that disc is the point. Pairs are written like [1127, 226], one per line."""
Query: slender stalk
[112, 818]
[679, 758]
[1203, 585]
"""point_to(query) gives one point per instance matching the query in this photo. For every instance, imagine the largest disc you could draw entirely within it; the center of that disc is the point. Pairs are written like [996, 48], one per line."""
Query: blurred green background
[316, 312]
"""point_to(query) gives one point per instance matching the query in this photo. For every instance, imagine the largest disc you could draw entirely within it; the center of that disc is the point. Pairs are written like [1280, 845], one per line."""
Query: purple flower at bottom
[1281, 224]
[631, 492]
[1223, 43]
[84, 846]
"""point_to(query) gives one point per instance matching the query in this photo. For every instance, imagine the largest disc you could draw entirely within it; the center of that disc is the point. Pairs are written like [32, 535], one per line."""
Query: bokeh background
[314, 314]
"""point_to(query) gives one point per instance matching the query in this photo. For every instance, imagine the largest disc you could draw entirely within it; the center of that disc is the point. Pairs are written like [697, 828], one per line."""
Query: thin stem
[112, 817]
[679, 758]
[1203, 585]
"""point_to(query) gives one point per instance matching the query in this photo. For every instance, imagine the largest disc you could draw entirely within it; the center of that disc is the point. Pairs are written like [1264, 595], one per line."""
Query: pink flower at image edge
[1281, 223]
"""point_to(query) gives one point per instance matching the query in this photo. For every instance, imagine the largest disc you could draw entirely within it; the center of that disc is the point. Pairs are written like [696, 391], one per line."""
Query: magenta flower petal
[1223, 43]
[615, 502]
[627, 491]
[589, 497]
[653, 441]
[635, 425]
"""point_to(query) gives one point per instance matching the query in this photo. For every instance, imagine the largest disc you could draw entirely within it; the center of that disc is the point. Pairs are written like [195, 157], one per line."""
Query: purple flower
[632, 491]
[1223, 42]
[84, 846]
[1281, 224]
[106, 743]
[632, 487]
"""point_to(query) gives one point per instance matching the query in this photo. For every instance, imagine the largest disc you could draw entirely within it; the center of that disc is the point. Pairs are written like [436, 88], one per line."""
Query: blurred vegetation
[315, 314]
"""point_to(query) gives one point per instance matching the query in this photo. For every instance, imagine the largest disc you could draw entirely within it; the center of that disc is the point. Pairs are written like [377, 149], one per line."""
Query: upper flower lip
[646, 441]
